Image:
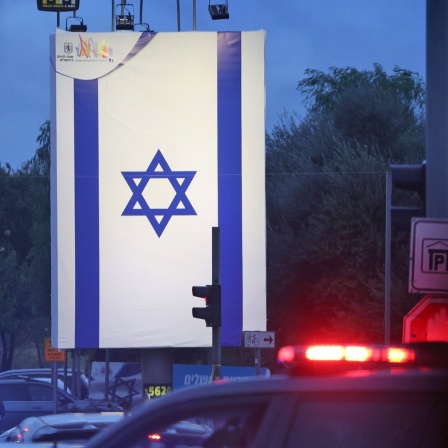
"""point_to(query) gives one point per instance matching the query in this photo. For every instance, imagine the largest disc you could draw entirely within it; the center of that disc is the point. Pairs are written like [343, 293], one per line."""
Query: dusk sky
[300, 34]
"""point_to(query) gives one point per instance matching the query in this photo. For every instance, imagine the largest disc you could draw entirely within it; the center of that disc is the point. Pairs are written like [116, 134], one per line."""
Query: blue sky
[300, 34]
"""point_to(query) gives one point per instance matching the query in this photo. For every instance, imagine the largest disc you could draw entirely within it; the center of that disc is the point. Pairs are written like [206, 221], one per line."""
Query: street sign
[427, 321]
[259, 339]
[186, 375]
[428, 267]
[52, 354]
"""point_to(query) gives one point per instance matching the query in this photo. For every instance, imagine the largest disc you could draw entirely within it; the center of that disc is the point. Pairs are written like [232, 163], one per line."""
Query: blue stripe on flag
[230, 185]
[86, 214]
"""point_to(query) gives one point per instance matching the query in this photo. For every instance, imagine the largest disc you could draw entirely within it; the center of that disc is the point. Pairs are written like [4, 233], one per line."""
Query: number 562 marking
[158, 391]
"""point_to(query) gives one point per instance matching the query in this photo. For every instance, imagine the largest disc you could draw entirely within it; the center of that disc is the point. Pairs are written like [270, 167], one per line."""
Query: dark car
[65, 376]
[27, 398]
[73, 428]
[331, 397]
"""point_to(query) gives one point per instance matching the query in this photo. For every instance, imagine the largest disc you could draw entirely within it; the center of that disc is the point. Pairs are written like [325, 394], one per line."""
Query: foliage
[370, 107]
[323, 92]
[25, 251]
[39, 255]
[326, 202]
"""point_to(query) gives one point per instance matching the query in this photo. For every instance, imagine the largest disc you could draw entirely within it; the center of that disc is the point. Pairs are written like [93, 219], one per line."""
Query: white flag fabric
[156, 138]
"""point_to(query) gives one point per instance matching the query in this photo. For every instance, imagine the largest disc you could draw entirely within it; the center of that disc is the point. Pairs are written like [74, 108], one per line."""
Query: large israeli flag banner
[156, 139]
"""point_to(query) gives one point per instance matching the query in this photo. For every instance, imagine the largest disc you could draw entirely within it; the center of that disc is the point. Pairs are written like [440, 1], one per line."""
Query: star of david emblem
[139, 180]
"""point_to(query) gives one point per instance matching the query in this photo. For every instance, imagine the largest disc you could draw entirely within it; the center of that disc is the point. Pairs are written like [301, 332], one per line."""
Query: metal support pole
[216, 280]
[54, 380]
[113, 15]
[106, 378]
[257, 362]
[76, 377]
[194, 15]
[78, 374]
[178, 15]
[387, 262]
[65, 373]
[74, 368]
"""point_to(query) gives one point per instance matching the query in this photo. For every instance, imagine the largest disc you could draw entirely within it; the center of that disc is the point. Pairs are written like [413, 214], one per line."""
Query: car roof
[43, 445]
[39, 370]
[75, 417]
[24, 380]
[18, 371]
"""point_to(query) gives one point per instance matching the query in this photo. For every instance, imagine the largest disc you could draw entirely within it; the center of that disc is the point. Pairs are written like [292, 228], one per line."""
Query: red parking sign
[427, 321]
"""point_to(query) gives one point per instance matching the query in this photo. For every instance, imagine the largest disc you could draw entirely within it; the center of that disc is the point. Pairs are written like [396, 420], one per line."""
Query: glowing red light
[348, 353]
[339, 353]
[286, 354]
[325, 353]
[400, 355]
[155, 437]
[359, 354]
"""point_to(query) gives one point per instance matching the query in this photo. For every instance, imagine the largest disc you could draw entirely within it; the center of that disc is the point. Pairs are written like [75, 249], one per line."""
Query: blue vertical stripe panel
[86, 214]
[230, 185]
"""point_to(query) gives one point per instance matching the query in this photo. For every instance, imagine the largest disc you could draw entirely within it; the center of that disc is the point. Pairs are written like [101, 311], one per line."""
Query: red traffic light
[202, 291]
[212, 312]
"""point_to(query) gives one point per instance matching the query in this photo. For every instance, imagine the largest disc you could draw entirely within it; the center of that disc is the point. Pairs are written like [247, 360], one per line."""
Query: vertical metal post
[76, 384]
[178, 15]
[54, 380]
[78, 374]
[58, 19]
[257, 362]
[387, 262]
[65, 373]
[194, 15]
[106, 378]
[73, 380]
[113, 15]
[216, 280]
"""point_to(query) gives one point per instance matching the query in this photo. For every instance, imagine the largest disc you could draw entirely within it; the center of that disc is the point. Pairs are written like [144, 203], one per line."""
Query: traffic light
[410, 178]
[212, 311]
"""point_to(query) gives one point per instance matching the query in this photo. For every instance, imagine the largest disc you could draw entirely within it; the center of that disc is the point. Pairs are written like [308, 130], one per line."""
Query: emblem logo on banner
[68, 48]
